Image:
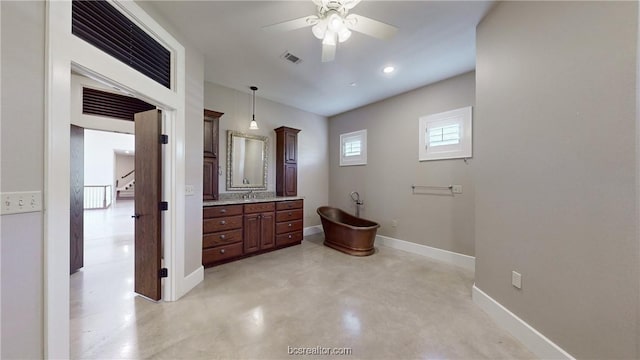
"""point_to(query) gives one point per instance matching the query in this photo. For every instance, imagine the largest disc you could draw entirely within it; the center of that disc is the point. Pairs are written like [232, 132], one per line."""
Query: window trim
[354, 160]
[463, 117]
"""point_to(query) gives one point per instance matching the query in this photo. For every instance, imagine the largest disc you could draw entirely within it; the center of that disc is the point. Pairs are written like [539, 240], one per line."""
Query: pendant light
[253, 125]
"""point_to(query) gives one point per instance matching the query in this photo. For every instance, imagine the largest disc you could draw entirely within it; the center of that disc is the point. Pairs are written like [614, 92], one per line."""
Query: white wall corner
[525, 333]
[449, 257]
[312, 230]
[190, 281]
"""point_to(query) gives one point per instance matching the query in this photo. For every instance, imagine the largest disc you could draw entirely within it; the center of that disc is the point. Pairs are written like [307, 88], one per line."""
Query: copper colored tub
[347, 233]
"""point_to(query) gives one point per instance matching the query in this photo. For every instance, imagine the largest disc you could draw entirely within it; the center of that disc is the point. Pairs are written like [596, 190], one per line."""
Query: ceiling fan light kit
[333, 24]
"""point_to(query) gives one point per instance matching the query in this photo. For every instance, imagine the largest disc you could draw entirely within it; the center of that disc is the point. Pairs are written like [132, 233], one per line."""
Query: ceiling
[435, 40]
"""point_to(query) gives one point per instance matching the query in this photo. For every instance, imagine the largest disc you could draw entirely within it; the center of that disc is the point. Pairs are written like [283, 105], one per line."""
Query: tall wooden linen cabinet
[286, 161]
[211, 161]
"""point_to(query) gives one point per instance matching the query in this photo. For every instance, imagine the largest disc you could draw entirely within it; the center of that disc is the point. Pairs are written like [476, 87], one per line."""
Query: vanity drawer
[288, 226]
[291, 204]
[289, 238]
[218, 253]
[221, 224]
[259, 207]
[221, 210]
[221, 238]
[288, 215]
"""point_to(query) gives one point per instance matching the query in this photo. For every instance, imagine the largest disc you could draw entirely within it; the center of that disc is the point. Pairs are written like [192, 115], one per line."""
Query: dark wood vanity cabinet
[289, 224]
[259, 227]
[286, 161]
[232, 232]
[211, 161]
[221, 233]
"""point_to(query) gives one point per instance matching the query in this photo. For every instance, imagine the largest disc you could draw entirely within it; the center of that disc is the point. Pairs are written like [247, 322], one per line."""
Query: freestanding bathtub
[347, 233]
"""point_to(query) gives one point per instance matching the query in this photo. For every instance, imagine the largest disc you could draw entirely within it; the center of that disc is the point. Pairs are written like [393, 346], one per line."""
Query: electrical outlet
[456, 189]
[189, 190]
[21, 202]
[394, 223]
[516, 279]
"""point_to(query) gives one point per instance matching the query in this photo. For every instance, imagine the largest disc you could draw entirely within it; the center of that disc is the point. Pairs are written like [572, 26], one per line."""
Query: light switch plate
[21, 202]
[516, 279]
[456, 189]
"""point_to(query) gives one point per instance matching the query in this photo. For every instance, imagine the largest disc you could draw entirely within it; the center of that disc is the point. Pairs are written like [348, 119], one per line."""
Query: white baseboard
[450, 257]
[190, 281]
[311, 230]
[530, 337]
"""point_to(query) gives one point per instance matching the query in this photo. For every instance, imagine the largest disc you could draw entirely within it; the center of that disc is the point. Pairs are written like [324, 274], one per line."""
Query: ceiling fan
[333, 24]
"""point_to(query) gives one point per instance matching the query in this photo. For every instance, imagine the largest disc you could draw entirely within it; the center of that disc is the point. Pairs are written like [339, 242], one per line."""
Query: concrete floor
[391, 305]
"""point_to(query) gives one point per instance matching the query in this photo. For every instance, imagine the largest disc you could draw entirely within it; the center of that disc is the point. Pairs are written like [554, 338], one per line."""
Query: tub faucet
[356, 199]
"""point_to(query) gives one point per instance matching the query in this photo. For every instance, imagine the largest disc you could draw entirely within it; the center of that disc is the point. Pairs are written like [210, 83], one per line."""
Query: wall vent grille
[103, 26]
[102, 103]
[292, 58]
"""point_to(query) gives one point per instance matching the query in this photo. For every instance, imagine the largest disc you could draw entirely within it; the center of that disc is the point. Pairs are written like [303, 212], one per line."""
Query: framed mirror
[246, 161]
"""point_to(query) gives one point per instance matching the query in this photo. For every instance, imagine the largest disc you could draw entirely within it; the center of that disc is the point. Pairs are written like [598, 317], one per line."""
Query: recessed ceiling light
[353, 84]
[388, 69]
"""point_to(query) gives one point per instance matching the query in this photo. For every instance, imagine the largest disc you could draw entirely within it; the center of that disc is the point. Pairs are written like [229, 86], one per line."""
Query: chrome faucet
[248, 195]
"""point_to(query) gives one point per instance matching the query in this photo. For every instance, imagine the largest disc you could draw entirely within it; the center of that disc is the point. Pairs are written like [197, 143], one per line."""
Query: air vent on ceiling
[290, 57]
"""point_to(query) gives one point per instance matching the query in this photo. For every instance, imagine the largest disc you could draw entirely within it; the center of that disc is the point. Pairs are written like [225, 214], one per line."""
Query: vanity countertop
[249, 201]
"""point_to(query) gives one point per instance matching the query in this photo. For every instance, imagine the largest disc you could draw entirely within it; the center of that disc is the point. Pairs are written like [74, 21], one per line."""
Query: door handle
[136, 216]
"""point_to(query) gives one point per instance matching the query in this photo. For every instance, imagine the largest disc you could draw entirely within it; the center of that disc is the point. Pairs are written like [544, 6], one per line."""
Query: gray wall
[313, 162]
[22, 164]
[384, 184]
[555, 170]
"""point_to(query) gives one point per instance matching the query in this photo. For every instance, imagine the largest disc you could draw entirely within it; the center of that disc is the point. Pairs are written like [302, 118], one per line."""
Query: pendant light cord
[253, 88]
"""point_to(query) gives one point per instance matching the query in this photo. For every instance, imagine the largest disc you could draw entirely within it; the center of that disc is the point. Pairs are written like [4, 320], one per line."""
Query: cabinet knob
[223, 222]
[223, 237]
[289, 224]
[289, 213]
[221, 251]
[223, 211]
[289, 206]
[289, 236]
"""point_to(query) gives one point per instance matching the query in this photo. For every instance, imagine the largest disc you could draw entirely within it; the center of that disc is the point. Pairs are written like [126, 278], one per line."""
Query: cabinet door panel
[252, 230]
[291, 147]
[210, 179]
[267, 230]
[291, 180]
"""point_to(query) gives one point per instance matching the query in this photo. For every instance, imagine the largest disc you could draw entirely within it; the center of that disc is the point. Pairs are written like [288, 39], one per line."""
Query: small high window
[353, 148]
[446, 135]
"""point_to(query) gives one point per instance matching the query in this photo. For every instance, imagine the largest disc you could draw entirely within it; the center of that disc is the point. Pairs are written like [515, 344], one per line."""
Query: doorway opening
[108, 268]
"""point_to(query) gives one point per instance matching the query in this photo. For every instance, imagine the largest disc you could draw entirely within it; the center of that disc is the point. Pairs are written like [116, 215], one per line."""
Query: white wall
[313, 156]
[556, 178]
[384, 184]
[99, 156]
[22, 169]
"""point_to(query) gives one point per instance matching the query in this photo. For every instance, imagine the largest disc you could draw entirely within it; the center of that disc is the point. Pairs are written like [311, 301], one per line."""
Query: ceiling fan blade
[292, 24]
[370, 27]
[350, 4]
[328, 52]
